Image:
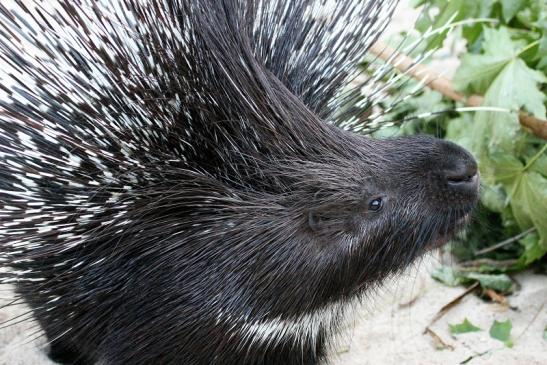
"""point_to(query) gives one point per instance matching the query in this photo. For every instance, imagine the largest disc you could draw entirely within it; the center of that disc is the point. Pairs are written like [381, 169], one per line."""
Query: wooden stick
[444, 85]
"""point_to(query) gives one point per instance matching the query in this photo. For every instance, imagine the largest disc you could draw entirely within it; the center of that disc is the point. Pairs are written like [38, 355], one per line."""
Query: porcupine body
[171, 194]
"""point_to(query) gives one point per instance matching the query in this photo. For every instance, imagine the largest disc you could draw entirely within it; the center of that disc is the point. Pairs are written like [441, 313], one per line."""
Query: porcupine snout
[445, 173]
[456, 175]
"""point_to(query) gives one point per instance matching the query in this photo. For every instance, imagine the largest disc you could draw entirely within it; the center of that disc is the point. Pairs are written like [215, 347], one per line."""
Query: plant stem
[504, 242]
[536, 156]
[533, 44]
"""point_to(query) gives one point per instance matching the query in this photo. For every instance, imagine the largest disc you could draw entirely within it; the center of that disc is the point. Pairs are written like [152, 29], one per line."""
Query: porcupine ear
[314, 47]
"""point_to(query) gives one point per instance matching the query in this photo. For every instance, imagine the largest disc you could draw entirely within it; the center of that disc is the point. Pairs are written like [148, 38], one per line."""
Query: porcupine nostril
[462, 177]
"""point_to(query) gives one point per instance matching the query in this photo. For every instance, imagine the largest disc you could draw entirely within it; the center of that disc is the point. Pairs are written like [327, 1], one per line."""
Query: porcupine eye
[375, 204]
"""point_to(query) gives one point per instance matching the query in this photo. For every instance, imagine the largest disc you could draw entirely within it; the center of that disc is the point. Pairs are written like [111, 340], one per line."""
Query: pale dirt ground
[387, 330]
[391, 332]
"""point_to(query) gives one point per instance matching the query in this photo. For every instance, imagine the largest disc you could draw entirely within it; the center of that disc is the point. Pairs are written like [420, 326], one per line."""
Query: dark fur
[241, 207]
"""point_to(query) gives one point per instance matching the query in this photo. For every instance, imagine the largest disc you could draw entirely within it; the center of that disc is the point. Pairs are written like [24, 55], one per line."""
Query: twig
[504, 242]
[442, 84]
[497, 297]
[442, 312]
[450, 304]
[440, 344]
[474, 264]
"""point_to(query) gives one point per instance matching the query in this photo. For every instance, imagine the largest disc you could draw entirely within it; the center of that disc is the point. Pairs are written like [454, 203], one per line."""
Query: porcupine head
[176, 188]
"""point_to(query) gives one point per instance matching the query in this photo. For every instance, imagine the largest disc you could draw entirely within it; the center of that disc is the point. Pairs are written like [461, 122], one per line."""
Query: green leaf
[502, 331]
[515, 86]
[447, 275]
[416, 3]
[452, 10]
[529, 203]
[527, 189]
[458, 131]
[540, 165]
[525, 88]
[477, 72]
[506, 167]
[532, 188]
[532, 250]
[504, 78]
[494, 198]
[542, 53]
[498, 41]
[500, 283]
[518, 86]
[472, 33]
[463, 327]
[533, 15]
[451, 277]
[545, 333]
[511, 8]
[494, 133]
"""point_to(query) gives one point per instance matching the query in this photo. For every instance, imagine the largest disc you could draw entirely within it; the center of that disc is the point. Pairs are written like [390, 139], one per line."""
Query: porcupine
[170, 190]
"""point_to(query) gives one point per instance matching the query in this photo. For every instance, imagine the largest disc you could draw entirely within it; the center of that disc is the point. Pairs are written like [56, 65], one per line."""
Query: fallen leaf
[502, 331]
[463, 327]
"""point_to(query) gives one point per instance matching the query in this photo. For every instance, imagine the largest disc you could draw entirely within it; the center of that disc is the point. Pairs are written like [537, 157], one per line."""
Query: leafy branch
[444, 85]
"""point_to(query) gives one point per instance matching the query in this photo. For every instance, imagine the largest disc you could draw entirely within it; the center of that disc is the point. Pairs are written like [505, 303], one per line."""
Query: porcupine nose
[463, 178]
[460, 170]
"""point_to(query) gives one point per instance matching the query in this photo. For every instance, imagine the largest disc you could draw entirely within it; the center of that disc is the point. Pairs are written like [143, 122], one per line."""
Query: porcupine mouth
[449, 234]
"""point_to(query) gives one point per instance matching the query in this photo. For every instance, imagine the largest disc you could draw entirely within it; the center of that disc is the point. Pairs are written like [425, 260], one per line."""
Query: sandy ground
[391, 332]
